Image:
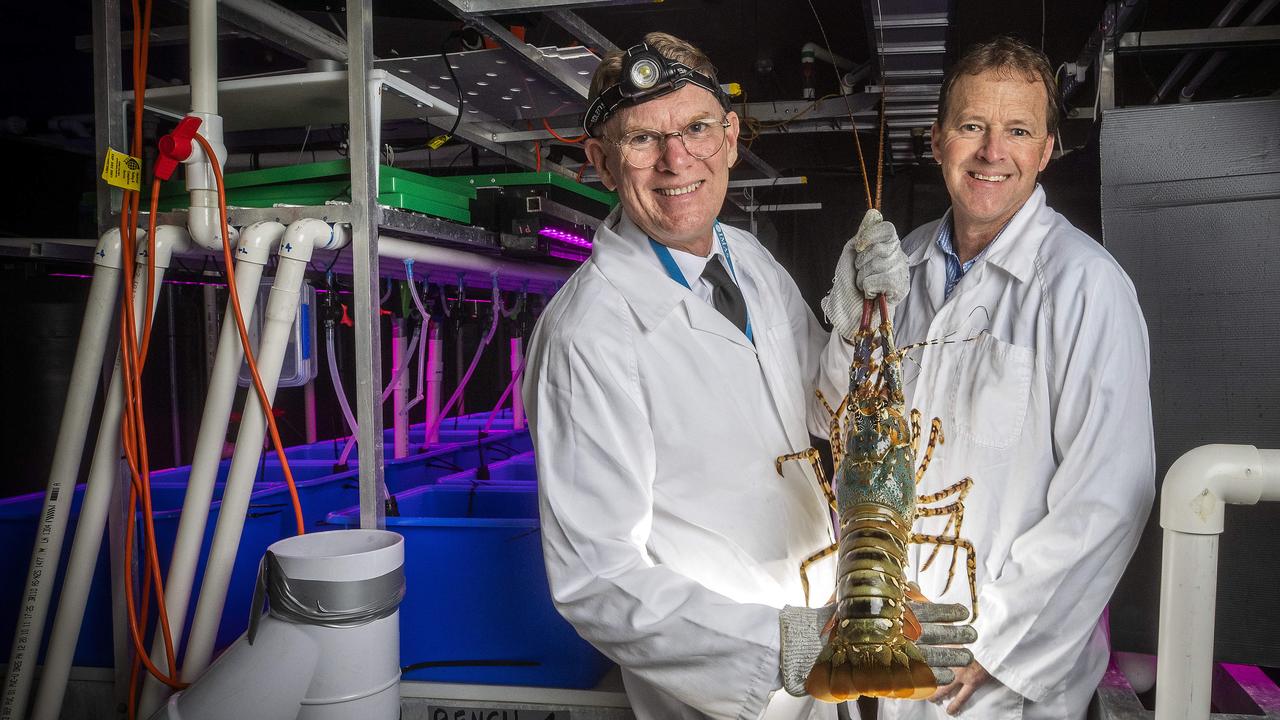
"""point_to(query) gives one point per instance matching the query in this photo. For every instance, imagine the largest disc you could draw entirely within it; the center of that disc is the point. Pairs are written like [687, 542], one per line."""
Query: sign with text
[475, 713]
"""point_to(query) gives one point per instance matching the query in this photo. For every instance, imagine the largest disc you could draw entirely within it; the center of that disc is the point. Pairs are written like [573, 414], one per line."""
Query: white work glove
[872, 263]
[802, 640]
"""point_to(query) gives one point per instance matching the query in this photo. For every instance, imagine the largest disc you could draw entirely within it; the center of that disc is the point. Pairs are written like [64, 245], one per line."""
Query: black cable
[1142, 66]
[457, 119]
[334, 261]
[455, 157]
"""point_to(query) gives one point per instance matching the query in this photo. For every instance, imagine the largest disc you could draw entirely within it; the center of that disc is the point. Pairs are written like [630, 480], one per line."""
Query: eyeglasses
[701, 139]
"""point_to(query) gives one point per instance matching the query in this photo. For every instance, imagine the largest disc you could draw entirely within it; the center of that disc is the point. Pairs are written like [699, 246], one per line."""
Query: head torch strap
[624, 94]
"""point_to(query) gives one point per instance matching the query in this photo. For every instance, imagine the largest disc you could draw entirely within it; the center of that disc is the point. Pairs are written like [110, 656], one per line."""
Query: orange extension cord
[132, 360]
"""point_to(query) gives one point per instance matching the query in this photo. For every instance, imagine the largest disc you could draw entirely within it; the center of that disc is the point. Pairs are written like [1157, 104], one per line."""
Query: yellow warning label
[123, 171]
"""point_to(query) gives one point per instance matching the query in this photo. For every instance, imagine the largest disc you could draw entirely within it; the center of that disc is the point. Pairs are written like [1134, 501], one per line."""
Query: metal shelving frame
[365, 87]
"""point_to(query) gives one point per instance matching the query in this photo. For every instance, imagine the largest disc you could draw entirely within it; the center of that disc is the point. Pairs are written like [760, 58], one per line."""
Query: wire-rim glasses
[701, 138]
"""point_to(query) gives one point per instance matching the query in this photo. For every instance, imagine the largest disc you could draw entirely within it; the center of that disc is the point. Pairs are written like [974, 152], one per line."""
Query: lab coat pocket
[990, 390]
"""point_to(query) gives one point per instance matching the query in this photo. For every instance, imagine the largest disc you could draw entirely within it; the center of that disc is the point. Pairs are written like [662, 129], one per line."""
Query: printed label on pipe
[123, 171]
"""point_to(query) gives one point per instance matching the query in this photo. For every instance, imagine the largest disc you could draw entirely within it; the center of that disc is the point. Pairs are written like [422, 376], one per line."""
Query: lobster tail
[907, 678]
[868, 652]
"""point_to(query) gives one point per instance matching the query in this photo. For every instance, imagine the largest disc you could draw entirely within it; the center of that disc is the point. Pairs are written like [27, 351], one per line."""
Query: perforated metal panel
[1191, 209]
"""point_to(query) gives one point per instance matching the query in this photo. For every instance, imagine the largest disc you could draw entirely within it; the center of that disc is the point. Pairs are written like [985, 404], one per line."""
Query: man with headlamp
[662, 382]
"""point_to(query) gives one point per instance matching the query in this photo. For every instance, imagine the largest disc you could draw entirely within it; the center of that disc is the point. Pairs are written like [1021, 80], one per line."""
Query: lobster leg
[815, 462]
[956, 512]
[970, 565]
[804, 567]
[833, 427]
[935, 439]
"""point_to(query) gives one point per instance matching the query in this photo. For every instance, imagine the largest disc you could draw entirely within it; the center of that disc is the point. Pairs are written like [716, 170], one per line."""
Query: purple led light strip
[566, 237]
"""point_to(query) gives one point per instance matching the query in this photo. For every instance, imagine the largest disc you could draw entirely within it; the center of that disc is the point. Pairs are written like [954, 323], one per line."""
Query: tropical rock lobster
[869, 650]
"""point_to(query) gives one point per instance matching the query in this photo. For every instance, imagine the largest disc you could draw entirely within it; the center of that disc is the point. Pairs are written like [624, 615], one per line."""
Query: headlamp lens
[644, 74]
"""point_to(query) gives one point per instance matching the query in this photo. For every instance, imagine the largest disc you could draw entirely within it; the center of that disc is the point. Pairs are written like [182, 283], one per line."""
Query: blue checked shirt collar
[955, 268]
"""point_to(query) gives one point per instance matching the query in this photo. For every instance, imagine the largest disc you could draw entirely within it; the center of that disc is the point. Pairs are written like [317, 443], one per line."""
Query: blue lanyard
[673, 270]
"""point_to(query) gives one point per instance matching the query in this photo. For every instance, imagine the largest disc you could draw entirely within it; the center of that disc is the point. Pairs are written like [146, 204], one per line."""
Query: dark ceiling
[754, 43]
[46, 98]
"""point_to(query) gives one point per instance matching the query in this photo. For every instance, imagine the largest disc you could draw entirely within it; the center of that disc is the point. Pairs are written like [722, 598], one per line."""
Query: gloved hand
[872, 263]
[802, 640]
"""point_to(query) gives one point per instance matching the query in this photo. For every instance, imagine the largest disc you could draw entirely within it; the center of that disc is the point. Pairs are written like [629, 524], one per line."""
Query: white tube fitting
[282, 305]
[307, 234]
[821, 53]
[199, 171]
[256, 243]
[204, 222]
[170, 239]
[313, 668]
[1192, 503]
[1202, 481]
[108, 252]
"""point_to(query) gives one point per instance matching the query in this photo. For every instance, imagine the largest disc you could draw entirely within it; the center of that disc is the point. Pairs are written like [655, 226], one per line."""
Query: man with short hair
[662, 382]
[1043, 394]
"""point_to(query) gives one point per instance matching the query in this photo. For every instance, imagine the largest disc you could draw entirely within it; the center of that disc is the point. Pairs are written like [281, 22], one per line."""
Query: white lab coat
[1043, 394]
[670, 541]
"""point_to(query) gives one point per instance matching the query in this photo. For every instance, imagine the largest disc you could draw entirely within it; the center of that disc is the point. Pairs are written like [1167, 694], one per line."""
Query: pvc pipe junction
[1192, 510]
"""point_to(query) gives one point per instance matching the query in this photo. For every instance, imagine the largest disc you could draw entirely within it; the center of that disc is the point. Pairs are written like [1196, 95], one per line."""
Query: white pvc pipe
[400, 390]
[335, 379]
[517, 366]
[424, 332]
[282, 307]
[74, 428]
[821, 53]
[97, 496]
[433, 428]
[300, 671]
[203, 220]
[309, 408]
[462, 260]
[255, 247]
[435, 376]
[203, 18]
[401, 365]
[1192, 508]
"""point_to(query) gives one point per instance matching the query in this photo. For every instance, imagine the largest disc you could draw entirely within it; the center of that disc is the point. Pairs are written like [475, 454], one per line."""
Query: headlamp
[646, 74]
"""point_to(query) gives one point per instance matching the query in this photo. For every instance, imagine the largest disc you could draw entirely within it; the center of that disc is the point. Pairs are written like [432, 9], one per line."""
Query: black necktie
[725, 294]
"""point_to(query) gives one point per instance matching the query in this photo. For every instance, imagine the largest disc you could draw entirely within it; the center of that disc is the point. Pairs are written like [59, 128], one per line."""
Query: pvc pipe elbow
[305, 235]
[1201, 482]
[258, 241]
[108, 251]
[813, 50]
[204, 222]
[169, 240]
